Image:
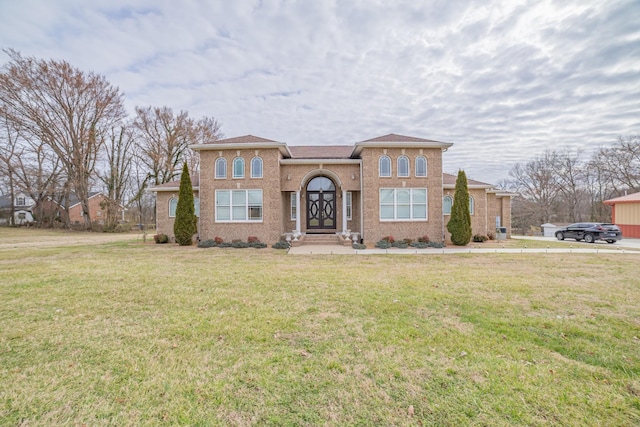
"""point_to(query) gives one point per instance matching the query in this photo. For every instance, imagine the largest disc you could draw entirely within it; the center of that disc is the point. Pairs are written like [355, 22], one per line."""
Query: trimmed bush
[282, 244]
[359, 246]
[479, 238]
[185, 225]
[460, 223]
[383, 244]
[210, 243]
[161, 238]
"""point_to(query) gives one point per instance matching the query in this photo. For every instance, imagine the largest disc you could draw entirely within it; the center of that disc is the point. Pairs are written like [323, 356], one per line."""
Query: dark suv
[590, 232]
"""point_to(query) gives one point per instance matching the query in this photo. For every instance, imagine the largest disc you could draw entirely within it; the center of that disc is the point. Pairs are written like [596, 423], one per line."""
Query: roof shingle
[246, 139]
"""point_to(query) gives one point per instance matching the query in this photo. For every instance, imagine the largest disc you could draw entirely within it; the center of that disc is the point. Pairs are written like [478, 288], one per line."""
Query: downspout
[442, 196]
[361, 204]
[200, 198]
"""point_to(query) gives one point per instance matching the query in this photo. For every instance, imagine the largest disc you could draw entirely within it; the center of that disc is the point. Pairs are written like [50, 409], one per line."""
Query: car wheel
[560, 236]
[589, 238]
[611, 242]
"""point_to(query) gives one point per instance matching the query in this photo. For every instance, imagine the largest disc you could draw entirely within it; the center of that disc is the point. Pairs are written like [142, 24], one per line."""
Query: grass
[125, 333]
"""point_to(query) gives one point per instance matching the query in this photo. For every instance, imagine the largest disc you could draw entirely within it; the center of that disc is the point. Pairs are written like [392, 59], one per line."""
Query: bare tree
[116, 176]
[65, 108]
[621, 163]
[537, 186]
[31, 166]
[164, 140]
[570, 179]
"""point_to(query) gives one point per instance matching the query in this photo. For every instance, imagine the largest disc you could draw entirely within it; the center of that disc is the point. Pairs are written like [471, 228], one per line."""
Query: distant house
[23, 209]
[97, 209]
[549, 229]
[626, 214]
[391, 185]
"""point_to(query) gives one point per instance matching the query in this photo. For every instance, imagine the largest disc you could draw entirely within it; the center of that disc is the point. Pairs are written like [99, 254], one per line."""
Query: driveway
[624, 243]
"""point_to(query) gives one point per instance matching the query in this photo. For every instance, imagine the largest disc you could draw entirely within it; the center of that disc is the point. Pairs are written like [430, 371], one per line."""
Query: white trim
[292, 204]
[242, 146]
[411, 205]
[247, 206]
[426, 166]
[233, 168]
[261, 167]
[380, 175]
[408, 174]
[215, 168]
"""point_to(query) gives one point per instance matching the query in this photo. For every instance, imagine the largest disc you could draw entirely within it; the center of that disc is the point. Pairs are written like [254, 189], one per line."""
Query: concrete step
[321, 239]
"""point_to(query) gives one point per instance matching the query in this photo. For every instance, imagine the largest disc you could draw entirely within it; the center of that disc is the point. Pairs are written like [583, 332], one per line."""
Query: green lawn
[127, 333]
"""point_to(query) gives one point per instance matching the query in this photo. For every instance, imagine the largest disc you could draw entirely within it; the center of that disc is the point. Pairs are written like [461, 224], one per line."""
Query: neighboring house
[390, 185]
[97, 209]
[625, 214]
[23, 209]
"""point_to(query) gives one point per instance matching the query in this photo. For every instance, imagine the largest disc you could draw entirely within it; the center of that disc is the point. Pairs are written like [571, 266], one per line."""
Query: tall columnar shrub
[460, 223]
[185, 225]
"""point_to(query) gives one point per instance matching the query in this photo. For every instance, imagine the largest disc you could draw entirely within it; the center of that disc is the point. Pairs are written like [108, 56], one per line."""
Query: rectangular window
[349, 206]
[238, 205]
[403, 204]
[294, 207]
[21, 201]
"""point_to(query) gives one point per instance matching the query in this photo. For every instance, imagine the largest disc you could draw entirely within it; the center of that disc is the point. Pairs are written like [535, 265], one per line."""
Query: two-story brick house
[390, 185]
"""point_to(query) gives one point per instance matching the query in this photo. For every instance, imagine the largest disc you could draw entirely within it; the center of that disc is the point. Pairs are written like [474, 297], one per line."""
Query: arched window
[471, 205]
[421, 166]
[447, 203]
[221, 168]
[384, 166]
[173, 205]
[403, 166]
[256, 167]
[238, 167]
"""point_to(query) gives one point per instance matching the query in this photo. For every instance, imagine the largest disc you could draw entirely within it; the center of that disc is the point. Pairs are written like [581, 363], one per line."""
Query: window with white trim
[403, 204]
[349, 205]
[384, 166]
[221, 168]
[256, 167]
[173, 205]
[403, 166]
[421, 166]
[238, 205]
[294, 207]
[238, 167]
[21, 201]
[447, 203]
[472, 205]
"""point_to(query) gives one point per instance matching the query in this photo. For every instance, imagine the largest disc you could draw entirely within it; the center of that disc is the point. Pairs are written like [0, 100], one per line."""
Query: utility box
[501, 233]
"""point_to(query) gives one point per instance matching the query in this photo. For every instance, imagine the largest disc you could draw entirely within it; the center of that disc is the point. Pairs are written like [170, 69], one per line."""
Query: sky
[501, 80]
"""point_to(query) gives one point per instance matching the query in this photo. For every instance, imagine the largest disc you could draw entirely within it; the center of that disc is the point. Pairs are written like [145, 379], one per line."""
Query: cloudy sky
[502, 80]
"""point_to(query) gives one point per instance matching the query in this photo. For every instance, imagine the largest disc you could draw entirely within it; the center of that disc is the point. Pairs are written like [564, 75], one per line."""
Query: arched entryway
[321, 204]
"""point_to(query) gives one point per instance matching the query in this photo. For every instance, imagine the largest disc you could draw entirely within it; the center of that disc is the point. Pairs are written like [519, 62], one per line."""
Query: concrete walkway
[624, 246]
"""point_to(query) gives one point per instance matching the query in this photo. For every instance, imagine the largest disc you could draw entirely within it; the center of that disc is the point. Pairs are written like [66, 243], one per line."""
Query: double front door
[321, 210]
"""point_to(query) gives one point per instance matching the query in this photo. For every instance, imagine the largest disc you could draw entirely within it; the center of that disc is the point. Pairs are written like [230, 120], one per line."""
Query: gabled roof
[393, 137]
[246, 139]
[449, 181]
[175, 185]
[243, 142]
[395, 140]
[629, 198]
